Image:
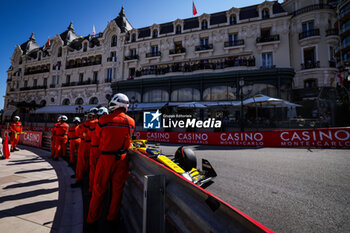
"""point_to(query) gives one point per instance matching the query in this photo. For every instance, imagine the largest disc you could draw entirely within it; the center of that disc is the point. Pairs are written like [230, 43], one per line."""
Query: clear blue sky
[19, 18]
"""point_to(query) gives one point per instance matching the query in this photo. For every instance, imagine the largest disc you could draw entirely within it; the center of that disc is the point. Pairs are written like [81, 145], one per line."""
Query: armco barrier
[29, 138]
[188, 208]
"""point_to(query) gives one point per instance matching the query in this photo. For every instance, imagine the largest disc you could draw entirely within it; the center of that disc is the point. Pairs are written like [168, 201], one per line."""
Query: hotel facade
[286, 51]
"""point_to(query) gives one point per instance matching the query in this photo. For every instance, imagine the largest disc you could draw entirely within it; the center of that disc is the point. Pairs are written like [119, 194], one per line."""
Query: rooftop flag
[93, 30]
[194, 10]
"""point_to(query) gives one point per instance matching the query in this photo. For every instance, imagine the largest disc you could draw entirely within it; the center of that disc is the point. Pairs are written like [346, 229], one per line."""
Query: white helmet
[63, 118]
[102, 111]
[93, 111]
[16, 118]
[76, 119]
[59, 118]
[119, 101]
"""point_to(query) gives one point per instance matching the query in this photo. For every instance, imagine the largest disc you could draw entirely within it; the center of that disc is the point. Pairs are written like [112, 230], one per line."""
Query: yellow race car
[183, 163]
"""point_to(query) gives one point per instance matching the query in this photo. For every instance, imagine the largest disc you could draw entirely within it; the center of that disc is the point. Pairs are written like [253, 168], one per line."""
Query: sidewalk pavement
[35, 194]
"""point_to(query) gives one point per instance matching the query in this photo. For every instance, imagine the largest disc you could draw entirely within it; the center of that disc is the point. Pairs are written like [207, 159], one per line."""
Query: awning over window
[146, 106]
[60, 109]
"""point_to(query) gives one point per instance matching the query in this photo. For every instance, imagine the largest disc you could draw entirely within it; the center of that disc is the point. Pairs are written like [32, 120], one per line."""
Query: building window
[132, 72]
[68, 79]
[109, 75]
[59, 53]
[39, 56]
[155, 96]
[218, 93]
[232, 39]
[308, 26]
[66, 102]
[310, 83]
[204, 43]
[178, 29]
[85, 47]
[266, 60]
[154, 50]
[155, 33]
[204, 24]
[113, 56]
[114, 41]
[81, 77]
[53, 80]
[43, 103]
[185, 94]
[58, 79]
[265, 14]
[95, 77]
[79, 101]
[310, 58]
[108, 97]
[45, 82]
[133, 37]
[20, 60]
[93, 100]
[133, 52]
[25, 83]
[233, 19]
[35, 82]
[114, 73]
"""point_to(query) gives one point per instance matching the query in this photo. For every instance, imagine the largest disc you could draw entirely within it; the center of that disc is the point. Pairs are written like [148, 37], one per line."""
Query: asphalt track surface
[285, 189]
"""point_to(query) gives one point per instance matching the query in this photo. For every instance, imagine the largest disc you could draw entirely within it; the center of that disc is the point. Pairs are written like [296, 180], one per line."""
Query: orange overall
[15, 129]
[115, 132]
[74, 141]
[61, 135]
[94, 152]
[53, 141]
[83, 151]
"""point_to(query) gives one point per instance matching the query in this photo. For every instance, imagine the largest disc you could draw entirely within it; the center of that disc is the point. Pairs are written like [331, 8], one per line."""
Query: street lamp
[238, 90]
[133, 104]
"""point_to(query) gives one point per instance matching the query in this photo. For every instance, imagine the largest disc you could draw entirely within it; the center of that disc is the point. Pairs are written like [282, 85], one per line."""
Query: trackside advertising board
[29, 138]
[327, 137]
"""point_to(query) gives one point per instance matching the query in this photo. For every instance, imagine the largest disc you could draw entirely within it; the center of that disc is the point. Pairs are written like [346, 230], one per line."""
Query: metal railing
[134, 57]
[185, 206]
[177, 51]
[153, 54]
[204, 47]
[332, 32]
[36, 71]
[311, 8]
[233, 43]
[269, 38]
[309, 33]
[83, 64]
[310, 65]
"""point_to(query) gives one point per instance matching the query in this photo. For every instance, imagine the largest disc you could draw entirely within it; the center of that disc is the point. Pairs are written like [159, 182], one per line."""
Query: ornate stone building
[281, 50]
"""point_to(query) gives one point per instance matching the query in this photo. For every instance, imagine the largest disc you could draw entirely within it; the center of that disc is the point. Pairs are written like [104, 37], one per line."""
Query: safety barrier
[188, 208]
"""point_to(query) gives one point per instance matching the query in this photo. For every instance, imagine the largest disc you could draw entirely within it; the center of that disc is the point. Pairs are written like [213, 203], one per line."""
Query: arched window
[204, 24]
[233, 19]
[133, 37]
[85, 47]
[93, 100]
[185, 94]
[79, 101]
[66, 102]
[265, 13]
[178, 29]
[155, 96]
[59, 53]
[114, 41]
[155, 33]
[43, 103]
[218, 93]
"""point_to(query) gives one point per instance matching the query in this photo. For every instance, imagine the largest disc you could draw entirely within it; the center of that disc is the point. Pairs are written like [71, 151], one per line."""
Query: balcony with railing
[177, 51]
[270, 38]
[132, 57]
[204, 47]
[332, 32]
[311, 8]
[310, 65]
[28, 72]
[309, 33]
[153, 54]
[233, 43]
[83, 64]
[32, 88]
